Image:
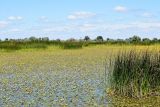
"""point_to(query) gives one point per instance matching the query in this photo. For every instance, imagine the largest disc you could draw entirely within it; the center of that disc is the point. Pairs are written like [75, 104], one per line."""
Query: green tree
[86, 38]
[6, 39]
[154, 40]
[99, 38]
[135, 39]
[146, 41]
[45, 39]
[32, 38]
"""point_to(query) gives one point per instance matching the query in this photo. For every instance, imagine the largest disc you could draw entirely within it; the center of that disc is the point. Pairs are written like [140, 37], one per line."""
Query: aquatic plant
[136, 74]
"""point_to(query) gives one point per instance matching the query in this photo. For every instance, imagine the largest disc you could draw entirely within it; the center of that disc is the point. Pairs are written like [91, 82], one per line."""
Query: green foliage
[135, 39]
[86, 38]
[21, 45]
[136, 74]
[71, 45]
[44, 42]
[34, 45]
[9, 46]
[99, 39]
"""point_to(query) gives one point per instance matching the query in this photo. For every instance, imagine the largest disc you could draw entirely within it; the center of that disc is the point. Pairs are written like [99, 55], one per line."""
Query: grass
[71, 45]
[11, 46]
[136, 74]
[60, 77]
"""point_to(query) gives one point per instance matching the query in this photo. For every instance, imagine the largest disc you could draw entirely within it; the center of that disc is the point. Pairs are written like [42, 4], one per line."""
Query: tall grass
[8, 45]
[136, 74]
[21, 45]
[71, 45]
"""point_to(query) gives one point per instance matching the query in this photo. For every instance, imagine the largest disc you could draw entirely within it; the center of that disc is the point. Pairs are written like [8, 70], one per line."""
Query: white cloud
[44, 19]
[120, 9]
[147, 14]
[69, 28]
[87, 27]
[11, 18]
[14, 18]
[19, 17]
[14, 30]
[81, 15]
[3, 24]
[108, 28]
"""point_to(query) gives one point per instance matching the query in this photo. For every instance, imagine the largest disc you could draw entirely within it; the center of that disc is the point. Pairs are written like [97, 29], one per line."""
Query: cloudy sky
[76, 18]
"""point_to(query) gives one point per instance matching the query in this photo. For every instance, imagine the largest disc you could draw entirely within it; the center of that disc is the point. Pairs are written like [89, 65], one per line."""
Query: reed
[136, 74]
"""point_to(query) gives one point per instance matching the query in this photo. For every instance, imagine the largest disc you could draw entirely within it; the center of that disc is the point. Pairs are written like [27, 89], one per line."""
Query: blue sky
[77, 18]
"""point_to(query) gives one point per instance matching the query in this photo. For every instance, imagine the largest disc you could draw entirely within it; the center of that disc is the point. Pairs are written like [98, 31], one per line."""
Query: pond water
[53, 88]
[73, 78]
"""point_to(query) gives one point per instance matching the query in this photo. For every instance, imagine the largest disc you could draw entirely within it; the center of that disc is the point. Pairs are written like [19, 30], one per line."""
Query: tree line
[99, 39]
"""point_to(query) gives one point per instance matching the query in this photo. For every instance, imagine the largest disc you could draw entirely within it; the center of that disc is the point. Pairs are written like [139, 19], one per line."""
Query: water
[53, 88]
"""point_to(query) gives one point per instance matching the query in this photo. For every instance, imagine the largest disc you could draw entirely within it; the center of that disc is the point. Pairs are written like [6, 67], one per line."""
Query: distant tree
[11, 40]
[128, 40]
[71, 40]
[6, 39]
[58, 40]
[120, 41]
[99, 39]
[135, 39]
[86, 38]
[25, 39]
[32, 38]
[146, 41]
[39, 39]
[154, 40]
[45, 39]
[108, 39]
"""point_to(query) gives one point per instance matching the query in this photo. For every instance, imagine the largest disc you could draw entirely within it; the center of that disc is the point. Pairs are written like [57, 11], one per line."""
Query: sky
[66, 19]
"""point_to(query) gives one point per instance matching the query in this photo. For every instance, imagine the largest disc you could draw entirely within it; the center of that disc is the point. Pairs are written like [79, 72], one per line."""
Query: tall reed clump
[136, 74]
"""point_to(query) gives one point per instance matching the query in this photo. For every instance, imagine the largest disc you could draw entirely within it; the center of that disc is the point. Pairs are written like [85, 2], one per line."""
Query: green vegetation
[60, 76]
[136, 74]
[9, 45]
[42, 43]
[71, 45]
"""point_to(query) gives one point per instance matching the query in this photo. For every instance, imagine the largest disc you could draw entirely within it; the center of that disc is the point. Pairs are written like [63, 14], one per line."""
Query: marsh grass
[136, 74]
[71, 45]
[10, 46]
[39, 45]
[34, 45]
